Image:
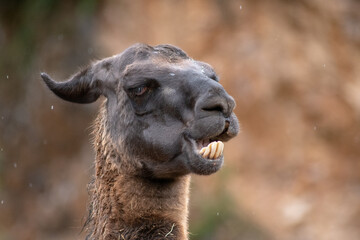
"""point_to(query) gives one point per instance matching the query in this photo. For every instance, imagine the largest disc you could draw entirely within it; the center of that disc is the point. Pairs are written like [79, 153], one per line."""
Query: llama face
[165, 110]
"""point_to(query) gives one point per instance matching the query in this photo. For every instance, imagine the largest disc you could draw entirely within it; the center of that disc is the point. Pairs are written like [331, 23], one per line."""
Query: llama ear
[81, 88]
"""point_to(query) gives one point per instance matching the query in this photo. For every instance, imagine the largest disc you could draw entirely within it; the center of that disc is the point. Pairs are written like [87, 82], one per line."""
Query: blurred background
[293, 67]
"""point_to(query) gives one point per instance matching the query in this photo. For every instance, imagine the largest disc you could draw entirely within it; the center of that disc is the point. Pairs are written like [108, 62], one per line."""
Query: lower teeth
[212, 151]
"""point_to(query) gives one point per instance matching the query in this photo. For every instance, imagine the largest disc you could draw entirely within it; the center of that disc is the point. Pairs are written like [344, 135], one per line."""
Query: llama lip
[206, 156]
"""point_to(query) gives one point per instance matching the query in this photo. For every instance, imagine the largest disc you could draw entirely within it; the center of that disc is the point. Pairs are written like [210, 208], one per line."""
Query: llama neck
[128, 207]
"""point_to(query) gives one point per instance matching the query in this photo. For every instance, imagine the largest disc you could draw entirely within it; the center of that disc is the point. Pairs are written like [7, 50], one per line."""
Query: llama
[164, 117]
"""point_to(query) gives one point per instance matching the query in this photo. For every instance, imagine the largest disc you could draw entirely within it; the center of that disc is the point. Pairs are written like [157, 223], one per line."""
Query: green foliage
[213, 212]
[27, 24]
[222, 219]
[87, 6]
[24, 20]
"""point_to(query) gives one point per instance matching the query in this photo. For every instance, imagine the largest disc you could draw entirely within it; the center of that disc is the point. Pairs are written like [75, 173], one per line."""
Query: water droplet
[30, 185]
[172, 74]
[2, 117]
[240, 7]
[324, 65]
[52, 107]
[2, 201]
[7, 76]
[1, 149]
[15, 165]
[315, 128]
[217, 214]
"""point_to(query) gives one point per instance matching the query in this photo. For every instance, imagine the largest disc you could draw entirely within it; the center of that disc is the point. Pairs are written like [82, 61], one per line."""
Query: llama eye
[138, 91]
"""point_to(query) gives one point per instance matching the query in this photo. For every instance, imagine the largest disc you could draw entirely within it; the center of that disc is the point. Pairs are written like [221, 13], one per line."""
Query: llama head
[162, 108]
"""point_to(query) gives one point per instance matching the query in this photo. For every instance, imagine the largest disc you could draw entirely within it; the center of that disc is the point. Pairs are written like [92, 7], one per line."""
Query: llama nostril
[215, 108]
[215, 105]
[216, 100]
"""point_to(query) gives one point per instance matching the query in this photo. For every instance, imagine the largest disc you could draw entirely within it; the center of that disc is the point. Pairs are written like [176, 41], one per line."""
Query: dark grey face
[162, 108]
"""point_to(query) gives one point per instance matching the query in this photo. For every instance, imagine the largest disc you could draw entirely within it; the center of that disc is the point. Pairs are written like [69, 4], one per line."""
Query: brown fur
[124, 206]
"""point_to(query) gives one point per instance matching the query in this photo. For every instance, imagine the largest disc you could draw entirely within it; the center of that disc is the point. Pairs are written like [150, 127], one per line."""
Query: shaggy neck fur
[129, 207]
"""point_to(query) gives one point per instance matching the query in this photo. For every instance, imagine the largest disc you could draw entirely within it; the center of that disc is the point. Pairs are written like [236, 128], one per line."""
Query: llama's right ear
[81, 88]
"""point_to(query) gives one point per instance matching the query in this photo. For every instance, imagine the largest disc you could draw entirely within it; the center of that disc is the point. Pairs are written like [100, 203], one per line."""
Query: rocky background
[293, 67]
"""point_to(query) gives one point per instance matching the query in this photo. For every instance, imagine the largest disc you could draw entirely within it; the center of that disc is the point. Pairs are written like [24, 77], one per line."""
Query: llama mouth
[206, 156]
[210, 150]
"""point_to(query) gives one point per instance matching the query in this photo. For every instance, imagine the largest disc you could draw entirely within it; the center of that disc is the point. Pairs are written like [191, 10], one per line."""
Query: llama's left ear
[83, 87]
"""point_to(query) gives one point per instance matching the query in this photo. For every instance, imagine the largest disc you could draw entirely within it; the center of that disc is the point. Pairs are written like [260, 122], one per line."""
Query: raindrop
[30, 185]
[52, 107]
[240, 7]
[172, 74]
[315, 128]
[7, 76]
[324, 65]
[2, 117]
[217, 214]
[15, 165]
[2, 201]
[1, 149]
